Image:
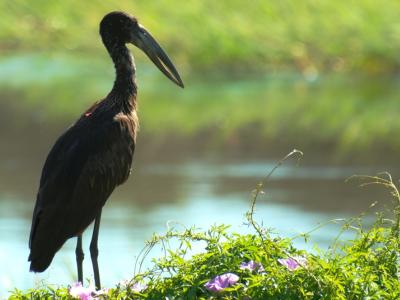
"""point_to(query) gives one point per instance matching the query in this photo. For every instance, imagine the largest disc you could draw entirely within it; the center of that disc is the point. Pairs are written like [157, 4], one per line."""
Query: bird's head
[121, 28]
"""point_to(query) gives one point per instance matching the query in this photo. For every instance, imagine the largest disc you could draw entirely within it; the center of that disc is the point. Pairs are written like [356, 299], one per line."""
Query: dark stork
[95, 154]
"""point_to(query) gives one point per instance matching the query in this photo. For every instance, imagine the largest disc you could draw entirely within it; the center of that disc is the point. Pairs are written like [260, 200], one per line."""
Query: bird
[93, 156]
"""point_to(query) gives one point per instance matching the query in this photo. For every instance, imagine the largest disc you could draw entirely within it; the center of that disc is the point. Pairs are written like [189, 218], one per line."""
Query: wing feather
[81, 171]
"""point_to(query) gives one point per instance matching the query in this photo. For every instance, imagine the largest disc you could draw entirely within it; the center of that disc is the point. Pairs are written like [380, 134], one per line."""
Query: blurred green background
[317, 75]
[310, 37]
[261, 78]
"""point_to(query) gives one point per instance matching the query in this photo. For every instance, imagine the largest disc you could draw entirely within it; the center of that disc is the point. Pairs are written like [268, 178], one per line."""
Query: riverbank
[345, 117]
[308, 37]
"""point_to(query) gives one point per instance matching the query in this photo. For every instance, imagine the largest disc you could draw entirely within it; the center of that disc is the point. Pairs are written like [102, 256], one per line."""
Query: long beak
[149, 45]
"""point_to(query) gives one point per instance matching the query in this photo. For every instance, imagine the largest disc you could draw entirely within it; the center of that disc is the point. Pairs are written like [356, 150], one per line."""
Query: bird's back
[82, 169]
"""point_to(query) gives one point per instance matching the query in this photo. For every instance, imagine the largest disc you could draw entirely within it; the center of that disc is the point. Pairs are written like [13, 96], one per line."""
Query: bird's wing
[81, 171]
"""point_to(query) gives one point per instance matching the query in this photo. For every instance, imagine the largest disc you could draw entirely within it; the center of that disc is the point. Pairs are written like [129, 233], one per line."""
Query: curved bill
[149, 45]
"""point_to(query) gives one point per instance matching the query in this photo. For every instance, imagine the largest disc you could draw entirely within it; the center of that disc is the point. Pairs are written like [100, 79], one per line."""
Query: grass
[341, 114]
[366, 267]
[309, 36]
[328, 65]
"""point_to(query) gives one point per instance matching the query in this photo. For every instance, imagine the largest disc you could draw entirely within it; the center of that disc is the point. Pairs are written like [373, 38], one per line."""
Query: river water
[169, 184]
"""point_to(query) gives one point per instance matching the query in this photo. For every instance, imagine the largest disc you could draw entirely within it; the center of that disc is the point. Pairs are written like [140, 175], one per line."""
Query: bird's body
[85, 165]
[94, 155]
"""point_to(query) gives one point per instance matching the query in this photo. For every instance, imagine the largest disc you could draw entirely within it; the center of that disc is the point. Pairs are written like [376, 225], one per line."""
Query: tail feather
[41, 262]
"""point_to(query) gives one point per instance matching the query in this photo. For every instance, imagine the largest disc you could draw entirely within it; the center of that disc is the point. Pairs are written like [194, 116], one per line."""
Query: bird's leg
[79, 258]
[94, 251]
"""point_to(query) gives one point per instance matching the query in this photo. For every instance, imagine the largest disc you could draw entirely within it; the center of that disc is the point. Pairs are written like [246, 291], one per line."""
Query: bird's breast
[123, 149]
[129, 123]
[113, 147]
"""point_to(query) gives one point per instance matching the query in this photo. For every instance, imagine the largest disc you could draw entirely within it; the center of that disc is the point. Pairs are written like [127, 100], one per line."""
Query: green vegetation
[310, 36]
[264, 72]
[366, 267]
[342, 114]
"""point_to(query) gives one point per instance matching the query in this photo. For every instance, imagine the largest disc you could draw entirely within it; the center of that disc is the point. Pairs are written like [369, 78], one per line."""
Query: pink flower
[80, 292]
[252, 266]
[292, 263]
[221, 282]
[138, 287]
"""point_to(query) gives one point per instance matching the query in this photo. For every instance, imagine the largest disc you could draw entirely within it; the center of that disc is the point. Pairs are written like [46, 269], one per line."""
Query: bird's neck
[124, 90]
